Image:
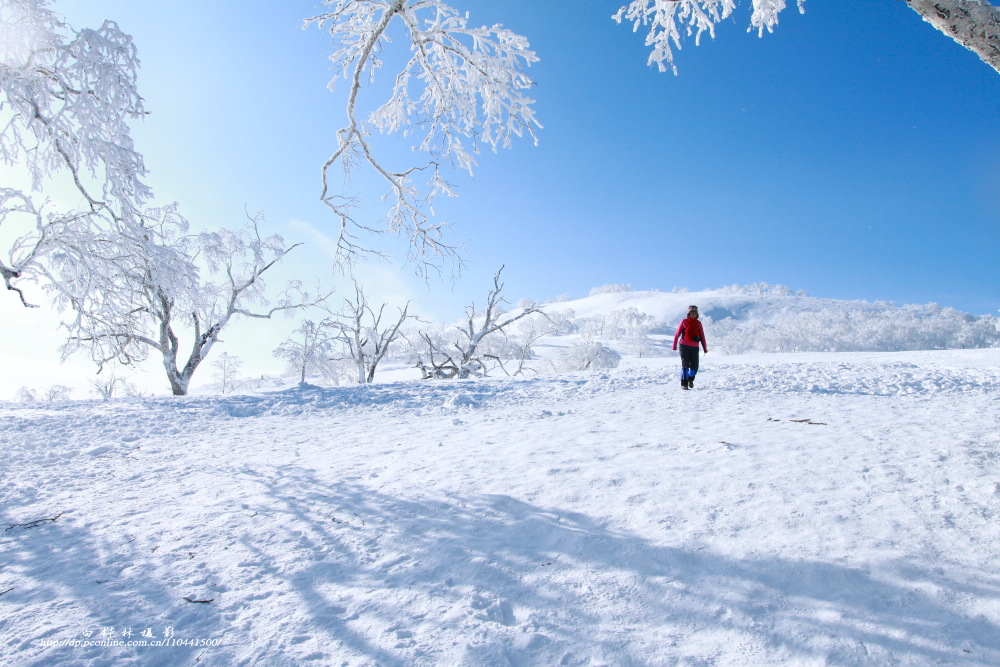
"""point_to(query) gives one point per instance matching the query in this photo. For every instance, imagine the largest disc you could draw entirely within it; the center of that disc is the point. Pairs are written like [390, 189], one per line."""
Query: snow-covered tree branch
[462, 88]
[670, 20]
[975, 24]
[66, 98]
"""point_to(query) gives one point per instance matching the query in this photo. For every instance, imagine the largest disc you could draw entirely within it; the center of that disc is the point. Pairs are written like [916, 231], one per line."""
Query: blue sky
[853, 153]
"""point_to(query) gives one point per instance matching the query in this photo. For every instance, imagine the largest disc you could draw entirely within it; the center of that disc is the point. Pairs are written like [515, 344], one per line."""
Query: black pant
[689, 360]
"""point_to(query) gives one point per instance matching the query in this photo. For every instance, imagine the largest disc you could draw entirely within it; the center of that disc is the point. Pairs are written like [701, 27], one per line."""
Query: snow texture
[797, 508]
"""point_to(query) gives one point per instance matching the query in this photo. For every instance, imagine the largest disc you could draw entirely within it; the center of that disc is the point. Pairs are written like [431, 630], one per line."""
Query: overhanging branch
[974, 24]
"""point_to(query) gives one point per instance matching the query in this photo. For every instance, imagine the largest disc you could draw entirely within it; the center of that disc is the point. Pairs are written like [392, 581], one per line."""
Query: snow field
[798, 509]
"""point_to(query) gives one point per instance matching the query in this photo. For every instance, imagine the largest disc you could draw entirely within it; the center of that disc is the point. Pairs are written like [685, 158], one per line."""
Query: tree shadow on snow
[489, 579]
[75, 584]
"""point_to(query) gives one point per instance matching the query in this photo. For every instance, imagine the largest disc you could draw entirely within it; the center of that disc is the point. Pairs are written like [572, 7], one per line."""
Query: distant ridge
[770, 318]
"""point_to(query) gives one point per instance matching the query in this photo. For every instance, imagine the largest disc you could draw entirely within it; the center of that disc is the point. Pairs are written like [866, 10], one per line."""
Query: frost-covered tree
[597, 326]
[563, 321]
[975, 24]
[461, 88]
[466, 355]
[66, 100]
[146, 310]
[633, 327]
[364, 333]
[227, 372]
[307, 350]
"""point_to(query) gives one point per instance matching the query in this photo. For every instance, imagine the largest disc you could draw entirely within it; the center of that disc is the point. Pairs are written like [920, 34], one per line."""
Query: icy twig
[33, 524]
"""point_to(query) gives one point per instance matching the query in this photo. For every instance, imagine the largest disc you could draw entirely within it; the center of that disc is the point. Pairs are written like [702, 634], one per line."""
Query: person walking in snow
[691, 335]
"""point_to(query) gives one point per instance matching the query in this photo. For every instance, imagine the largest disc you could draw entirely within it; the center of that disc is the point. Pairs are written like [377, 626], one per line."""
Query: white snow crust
[793, 509]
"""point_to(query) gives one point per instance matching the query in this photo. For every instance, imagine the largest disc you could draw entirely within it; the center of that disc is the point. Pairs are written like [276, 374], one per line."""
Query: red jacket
[687, 329]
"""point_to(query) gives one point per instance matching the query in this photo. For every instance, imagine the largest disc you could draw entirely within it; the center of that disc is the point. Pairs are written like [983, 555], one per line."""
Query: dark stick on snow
[32, 524]
[198, 601]
[7, 591]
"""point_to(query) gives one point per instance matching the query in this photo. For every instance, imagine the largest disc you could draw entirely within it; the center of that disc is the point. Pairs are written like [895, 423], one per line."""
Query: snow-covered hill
[766, 318]
[801, 509]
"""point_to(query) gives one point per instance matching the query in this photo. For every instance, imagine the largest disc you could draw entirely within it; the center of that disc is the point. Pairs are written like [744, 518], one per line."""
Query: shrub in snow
[106, 387]
[611, 288]
[583, 356]
[337, 372]
[56, 392]
[26, 395]
[500, 347]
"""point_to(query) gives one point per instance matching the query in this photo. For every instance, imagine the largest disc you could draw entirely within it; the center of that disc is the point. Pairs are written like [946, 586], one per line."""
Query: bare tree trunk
[974, 24]
[359, 346]
[178, 383]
